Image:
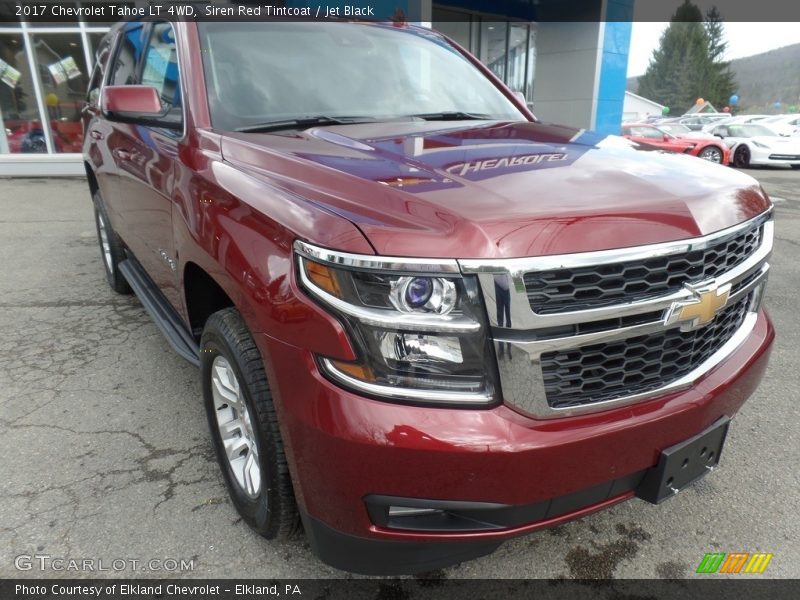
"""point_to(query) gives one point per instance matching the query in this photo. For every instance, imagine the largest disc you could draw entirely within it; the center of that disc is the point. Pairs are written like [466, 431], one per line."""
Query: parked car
[738, 119]
[756, 144]
[424, 321]
[786, 125]
[697, 122]
[674, 137]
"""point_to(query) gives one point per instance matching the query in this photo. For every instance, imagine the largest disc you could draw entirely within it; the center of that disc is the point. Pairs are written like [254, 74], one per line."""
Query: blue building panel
[613, 71]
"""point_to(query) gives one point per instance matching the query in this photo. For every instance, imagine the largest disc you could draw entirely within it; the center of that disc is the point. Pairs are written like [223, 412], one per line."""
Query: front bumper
[772, 156]
[344, 449]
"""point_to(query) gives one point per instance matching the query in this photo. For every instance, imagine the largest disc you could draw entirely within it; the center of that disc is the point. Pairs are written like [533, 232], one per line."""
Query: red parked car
[424, 321]
[708, 148]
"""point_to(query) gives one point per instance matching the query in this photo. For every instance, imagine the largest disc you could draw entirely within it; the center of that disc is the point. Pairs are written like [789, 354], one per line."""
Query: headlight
[417, 325]
[759, 144]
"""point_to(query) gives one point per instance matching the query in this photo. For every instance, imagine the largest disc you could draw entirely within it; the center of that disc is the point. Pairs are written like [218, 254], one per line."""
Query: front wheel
[244, 426]
[741, 157]
[712, 154]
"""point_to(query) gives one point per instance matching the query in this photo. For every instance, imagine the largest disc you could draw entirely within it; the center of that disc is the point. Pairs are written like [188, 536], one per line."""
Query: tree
[721, 80]
[687, 64]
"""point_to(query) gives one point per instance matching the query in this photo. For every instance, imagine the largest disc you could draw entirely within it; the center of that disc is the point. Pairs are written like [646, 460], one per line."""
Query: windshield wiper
[454, 115]
[302, 122]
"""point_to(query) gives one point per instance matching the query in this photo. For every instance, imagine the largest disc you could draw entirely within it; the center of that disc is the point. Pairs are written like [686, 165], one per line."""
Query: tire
[741, 157]
[243, 407]
[711, 154]
[112, 252]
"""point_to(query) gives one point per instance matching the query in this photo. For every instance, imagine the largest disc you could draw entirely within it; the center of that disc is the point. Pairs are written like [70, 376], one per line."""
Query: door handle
[96, 134]
[121, 154]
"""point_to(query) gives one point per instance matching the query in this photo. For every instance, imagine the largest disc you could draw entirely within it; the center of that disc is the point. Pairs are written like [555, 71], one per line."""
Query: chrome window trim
[430, 266]
[601, 257]
[408, 394]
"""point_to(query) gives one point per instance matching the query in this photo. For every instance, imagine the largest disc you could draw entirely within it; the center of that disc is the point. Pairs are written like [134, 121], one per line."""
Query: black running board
[165, 317]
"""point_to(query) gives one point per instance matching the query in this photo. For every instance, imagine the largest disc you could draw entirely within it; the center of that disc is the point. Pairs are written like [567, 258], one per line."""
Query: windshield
[749, 130]
[674, 128]
[266, 72]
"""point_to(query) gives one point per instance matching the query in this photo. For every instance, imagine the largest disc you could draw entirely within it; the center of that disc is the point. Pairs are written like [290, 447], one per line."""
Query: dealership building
[568, 57]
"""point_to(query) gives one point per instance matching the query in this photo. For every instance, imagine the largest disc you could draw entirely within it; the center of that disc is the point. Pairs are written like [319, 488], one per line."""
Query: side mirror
[665, 138]
[140, 104]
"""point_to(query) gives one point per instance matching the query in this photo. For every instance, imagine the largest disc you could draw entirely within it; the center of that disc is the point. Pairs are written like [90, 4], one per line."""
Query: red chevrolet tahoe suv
[424, 321]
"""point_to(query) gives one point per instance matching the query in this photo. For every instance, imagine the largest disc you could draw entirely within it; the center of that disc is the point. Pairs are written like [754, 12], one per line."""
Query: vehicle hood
[498, 189]
[783, 144]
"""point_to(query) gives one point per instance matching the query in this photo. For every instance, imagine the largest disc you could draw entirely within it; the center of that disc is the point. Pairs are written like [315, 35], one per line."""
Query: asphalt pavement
[106, 454]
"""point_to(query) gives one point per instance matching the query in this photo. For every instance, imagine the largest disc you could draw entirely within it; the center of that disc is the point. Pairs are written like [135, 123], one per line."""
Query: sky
[744, 39]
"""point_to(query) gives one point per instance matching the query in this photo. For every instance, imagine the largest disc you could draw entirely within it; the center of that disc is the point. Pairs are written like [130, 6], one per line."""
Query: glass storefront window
[531, 73]
[508, 49]
[493, 47]
[33, 110]
[517, 57]
[455, 25]
[63, 80]
[19, 112]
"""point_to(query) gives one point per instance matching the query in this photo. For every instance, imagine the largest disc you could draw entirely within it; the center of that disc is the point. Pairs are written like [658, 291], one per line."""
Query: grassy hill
[763, 79]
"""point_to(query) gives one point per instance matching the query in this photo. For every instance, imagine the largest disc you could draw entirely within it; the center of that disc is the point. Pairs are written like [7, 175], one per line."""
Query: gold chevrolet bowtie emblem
[700, 310]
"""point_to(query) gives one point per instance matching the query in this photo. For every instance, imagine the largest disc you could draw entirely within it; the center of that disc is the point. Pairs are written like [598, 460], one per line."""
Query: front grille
[600, 372]
[583, 288]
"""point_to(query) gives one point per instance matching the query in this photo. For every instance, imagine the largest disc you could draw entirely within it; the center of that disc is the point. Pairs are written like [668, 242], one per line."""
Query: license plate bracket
[684, 463]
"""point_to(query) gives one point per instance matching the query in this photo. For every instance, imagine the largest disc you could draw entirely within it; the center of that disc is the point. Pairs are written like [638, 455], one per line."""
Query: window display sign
[8, 74]
[64, 69]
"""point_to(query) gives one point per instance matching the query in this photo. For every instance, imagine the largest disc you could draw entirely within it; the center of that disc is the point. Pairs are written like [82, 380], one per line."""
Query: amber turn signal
[323, 277]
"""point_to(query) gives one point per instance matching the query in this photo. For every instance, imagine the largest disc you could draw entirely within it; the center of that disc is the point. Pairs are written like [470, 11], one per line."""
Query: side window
[93, 95]
[160, 69]
[96, 81]
[128, 56]
[649, 132]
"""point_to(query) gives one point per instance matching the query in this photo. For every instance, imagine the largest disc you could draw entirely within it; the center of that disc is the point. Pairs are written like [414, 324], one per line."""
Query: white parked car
[756, 144]
[738, 119]
[787, 125]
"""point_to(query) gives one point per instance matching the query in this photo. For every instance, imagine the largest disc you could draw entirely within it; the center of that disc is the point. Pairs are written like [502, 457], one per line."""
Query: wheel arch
[202, 296]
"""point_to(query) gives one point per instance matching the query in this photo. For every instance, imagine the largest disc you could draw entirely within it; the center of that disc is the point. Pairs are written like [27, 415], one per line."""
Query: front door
[146, 158]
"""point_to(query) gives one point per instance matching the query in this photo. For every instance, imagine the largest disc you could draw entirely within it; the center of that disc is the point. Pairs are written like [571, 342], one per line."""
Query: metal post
[37, 88]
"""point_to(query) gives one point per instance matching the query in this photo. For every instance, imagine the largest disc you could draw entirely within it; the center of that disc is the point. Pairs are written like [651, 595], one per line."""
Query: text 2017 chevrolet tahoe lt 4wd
[425, 322]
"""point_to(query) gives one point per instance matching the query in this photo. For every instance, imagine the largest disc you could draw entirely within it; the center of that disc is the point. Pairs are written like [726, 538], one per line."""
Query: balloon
[792, 109]
[665, 110]
[733, 100]
[726, 109]
[699, 101]
[51, 100]
[777, 104]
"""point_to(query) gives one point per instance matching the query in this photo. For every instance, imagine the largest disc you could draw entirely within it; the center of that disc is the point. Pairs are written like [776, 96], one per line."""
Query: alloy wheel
[235, 427]
[104, 244]
[712, 154]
